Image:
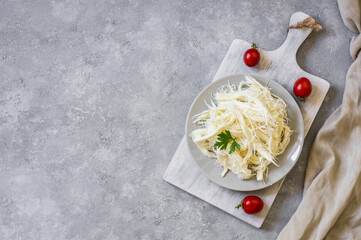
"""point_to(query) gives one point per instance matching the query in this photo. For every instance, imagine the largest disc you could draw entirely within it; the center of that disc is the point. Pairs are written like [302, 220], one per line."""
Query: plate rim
[188, 138]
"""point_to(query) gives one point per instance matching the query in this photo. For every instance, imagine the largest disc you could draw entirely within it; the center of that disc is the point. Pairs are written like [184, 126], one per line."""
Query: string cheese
[256, 119]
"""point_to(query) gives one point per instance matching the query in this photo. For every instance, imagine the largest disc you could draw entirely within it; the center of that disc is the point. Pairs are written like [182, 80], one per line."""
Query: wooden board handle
[295, 37]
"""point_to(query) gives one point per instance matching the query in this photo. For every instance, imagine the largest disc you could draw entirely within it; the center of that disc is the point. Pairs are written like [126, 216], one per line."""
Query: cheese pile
[256, 119]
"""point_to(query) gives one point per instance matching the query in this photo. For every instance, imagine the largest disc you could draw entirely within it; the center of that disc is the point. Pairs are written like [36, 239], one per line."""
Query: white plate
[286, 160]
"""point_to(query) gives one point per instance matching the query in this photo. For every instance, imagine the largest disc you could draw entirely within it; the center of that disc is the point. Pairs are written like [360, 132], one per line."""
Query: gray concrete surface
[93, 99]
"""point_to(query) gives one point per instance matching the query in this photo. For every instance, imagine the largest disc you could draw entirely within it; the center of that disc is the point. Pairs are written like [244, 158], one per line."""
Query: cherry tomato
[251, 204]
[251, 57]
[302, 88]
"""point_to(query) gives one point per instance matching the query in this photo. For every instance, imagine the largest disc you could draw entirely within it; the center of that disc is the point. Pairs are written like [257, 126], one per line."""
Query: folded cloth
[331, 204]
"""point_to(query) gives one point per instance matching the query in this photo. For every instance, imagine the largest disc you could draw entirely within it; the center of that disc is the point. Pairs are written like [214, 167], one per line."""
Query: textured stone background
[93, 100]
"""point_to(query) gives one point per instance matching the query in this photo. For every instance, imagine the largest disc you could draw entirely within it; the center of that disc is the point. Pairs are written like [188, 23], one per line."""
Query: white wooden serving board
[279, 65]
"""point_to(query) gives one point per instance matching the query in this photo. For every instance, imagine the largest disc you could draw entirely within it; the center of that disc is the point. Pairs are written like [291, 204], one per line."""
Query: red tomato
[251, 204]
[302, 88]
[251, 57]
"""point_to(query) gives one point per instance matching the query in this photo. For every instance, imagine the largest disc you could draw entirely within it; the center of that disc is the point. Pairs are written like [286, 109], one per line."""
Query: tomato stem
[254, 46]
[239, 205]
[302, 99]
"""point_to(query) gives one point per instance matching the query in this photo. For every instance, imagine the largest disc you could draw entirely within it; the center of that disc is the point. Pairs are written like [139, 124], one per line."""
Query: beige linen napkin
[331, 206]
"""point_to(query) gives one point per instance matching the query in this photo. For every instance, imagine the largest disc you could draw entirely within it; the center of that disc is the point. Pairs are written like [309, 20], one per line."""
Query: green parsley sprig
[223, 139]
